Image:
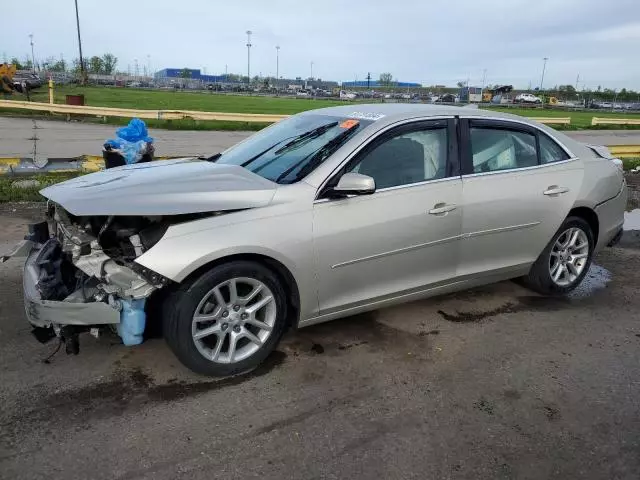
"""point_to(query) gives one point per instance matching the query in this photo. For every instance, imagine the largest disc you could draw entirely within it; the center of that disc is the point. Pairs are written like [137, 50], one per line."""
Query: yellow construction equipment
[7, 71]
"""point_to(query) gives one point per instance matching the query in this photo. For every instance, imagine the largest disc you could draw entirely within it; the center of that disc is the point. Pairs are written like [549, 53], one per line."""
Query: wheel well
[281, 271]
[590, 217]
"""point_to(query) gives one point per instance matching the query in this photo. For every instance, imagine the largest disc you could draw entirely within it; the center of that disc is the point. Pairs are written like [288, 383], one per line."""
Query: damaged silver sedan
[323, 215]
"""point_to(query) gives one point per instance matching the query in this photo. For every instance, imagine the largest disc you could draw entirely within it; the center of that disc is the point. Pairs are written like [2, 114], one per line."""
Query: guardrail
[180, 114]
[625, 151]
[614, 121]
[140, 113]
[552, 120]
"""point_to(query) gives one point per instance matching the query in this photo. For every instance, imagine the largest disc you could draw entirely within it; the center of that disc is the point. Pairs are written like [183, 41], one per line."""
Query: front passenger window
[499, 149]
[406, 158]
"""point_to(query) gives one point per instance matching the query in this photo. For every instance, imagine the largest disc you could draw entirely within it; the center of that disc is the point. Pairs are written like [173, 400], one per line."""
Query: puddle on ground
[632, 220]
[596, 279]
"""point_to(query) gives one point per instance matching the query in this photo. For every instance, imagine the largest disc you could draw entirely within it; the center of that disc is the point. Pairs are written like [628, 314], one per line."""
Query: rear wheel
[228, 320]
[565, 260]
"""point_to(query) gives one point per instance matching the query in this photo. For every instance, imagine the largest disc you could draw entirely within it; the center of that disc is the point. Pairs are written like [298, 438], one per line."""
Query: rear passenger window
[550, 151]
[499, 149]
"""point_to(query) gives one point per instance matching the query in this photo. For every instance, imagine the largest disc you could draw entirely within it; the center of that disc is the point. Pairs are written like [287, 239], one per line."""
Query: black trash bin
[114, 159]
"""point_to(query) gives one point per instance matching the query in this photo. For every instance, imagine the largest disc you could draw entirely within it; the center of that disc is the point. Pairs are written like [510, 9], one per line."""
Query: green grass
[629, 163]
[10, 193]
[180, 100]
[579, 120]
[214, 102]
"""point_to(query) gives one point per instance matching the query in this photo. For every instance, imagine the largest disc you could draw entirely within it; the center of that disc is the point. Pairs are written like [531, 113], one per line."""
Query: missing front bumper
[44, 313]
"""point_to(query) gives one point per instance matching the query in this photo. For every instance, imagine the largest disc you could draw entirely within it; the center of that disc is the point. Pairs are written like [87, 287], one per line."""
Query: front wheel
[565, 260]
[228, 320]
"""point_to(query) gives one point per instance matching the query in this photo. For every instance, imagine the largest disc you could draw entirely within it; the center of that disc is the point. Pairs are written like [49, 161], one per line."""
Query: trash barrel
[74, 100]
[112, 158]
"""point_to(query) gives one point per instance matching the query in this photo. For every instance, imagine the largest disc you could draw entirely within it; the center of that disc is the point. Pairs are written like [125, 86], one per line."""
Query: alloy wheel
[233, 320]
[569, 256]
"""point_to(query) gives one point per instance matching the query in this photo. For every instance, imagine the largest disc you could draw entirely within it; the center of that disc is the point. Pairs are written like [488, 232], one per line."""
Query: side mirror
[354, 184]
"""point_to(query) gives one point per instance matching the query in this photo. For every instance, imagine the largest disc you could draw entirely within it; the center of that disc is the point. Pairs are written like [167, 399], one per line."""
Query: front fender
[285, 238]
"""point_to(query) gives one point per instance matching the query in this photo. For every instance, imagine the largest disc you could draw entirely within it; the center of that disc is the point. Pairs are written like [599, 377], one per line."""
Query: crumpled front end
[82, 275]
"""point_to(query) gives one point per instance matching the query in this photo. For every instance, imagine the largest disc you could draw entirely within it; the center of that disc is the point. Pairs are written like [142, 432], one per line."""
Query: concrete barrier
[181, 114]
[552, 120]
[141, 113]
[625, 151]
[614, 121]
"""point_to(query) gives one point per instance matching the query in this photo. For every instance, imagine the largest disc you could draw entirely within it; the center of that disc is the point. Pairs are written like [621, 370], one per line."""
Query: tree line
[102, 65]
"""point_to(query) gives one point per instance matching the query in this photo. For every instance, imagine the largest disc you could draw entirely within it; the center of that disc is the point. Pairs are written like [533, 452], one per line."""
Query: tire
[190, 339]
[540, 277]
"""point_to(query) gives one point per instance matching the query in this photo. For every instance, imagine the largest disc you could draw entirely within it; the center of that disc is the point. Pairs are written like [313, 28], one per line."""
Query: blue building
[195, 74]
[377, 84]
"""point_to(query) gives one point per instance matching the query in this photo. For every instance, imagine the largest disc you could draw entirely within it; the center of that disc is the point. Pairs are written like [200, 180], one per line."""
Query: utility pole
[277, 65]
[484, 79]
[249, 32]
[544, 67]
[368, 80]
[577, 81]
[83, 74]
[311, 77]
[33, 57]
[149, 65]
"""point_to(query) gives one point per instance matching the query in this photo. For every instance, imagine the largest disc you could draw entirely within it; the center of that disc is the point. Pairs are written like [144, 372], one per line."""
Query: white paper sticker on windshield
[366, 115]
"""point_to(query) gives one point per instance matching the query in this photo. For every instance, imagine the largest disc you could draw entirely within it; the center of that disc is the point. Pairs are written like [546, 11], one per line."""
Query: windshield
[292, 148]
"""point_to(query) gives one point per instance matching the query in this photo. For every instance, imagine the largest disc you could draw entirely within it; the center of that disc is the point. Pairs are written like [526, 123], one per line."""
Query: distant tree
[17, 63]
[256, 79]
[461, 84]
[95, 64]
[76, 65]
[385, 79]
[109, 62]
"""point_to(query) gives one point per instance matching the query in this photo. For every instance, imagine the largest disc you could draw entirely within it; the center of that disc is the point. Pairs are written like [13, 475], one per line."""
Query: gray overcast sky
[431, 42]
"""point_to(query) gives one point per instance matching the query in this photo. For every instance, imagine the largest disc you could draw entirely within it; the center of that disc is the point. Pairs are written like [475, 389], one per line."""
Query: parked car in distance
[28, 79]
[326, 214]
[446, 98]
[527, 98]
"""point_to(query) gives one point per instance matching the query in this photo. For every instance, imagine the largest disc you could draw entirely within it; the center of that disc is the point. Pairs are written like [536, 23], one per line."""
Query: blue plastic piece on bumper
[132, 321]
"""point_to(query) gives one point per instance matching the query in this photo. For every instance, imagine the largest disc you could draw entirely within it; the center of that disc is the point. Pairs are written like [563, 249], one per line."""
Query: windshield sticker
[366, 115]
[349, 123]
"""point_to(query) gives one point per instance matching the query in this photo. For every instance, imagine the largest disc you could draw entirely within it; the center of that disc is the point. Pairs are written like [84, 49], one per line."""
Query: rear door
[518, 185]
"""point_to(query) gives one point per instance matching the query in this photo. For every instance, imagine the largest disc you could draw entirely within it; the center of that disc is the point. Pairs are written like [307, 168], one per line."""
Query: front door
[404, 236]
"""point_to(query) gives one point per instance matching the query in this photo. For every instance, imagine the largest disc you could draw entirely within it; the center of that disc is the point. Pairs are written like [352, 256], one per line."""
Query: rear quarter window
[550, 151]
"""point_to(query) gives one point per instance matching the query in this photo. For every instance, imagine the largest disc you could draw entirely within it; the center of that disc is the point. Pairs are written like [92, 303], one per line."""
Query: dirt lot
[494, 383]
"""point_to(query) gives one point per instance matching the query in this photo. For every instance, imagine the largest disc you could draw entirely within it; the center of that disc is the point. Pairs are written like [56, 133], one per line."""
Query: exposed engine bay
[90, 260]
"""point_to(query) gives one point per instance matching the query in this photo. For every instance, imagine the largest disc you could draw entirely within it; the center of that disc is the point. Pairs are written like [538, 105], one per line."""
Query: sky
[426, 41]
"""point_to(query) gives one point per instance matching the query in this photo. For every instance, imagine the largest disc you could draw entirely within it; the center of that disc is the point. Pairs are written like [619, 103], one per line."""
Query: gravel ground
[493, 383]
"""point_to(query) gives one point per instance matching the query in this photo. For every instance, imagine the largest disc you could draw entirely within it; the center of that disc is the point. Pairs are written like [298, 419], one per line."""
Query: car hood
[164, 187]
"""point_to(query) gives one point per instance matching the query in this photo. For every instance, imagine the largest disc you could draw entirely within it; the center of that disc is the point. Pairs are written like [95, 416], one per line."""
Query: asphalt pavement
[20, 137]
[492, 383]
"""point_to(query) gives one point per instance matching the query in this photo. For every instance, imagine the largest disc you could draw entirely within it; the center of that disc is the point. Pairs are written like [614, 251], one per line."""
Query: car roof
[398, 111]
[388, 113]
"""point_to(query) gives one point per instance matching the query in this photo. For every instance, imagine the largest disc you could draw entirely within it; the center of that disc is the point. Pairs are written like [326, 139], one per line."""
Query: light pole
[33, 57]
[544, 67]
[277, 64]
[311, 77]
[249, 32]
[83, 75]
[484, 79]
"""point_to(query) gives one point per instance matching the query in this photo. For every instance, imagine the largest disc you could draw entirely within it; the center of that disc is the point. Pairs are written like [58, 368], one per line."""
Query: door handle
[555, 190]
[442, 209]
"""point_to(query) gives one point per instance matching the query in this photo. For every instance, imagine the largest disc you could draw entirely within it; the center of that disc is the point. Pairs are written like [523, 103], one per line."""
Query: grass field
[212, 102]
[180, 100]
